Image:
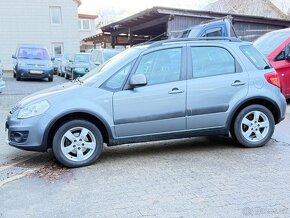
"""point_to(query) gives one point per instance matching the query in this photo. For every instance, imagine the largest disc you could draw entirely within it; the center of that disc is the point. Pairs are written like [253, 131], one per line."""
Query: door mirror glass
[138, 80]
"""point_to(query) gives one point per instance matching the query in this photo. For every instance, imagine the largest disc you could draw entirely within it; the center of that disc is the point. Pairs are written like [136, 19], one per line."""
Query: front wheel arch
[103, 127]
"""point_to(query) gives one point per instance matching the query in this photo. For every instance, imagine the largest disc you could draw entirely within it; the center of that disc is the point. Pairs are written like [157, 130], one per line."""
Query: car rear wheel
[77, 143]
[254, 126]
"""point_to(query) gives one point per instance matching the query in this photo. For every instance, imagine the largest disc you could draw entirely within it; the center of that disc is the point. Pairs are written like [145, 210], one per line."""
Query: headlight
[33, 110]
[21, 64]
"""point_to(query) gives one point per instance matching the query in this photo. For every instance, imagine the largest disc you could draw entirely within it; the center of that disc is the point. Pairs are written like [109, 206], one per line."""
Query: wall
[28, 21]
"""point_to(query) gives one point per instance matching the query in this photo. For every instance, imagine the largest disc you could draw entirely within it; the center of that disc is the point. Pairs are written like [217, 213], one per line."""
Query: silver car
[168, 89]
[2, 83]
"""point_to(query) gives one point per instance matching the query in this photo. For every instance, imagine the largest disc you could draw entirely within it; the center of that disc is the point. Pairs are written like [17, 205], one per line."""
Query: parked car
[275, 46]
[213, 28]
[63, 64]
[55, 63]
[84, 62]
[169, 89]
[80, 65]
[32, 61]
[2, 83]
[101, 55]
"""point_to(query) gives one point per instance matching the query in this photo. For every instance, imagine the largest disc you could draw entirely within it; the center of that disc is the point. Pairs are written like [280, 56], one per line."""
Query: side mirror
[53, 59]
[13, 56]
[138, 80]
[287, 52]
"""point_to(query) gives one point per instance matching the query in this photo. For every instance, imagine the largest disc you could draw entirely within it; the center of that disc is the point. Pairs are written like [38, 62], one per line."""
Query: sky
[92, 6]
[112, 10]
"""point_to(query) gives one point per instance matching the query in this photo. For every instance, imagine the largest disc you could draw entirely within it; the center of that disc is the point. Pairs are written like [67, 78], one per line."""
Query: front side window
[161, 66]
[211, 61]
[282, 55]
[215, 32]
[117, 81]
[55, 15]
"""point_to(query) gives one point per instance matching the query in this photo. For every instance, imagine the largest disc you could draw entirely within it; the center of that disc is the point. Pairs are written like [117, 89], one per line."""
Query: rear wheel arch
[258, 101]
[99, 123]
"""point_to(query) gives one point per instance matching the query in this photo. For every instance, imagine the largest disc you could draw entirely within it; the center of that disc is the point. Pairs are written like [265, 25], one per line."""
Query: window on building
[57, 49]
[55, 15]
[84, 24]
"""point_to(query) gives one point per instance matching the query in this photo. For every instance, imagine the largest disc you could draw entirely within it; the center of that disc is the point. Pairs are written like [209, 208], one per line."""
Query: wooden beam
[151, 23]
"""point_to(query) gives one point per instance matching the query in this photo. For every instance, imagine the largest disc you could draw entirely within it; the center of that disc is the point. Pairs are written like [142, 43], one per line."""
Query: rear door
[216, 82]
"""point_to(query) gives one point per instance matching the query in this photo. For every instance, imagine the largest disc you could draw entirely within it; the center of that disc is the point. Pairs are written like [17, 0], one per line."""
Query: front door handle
[175, 91]
[238, 83]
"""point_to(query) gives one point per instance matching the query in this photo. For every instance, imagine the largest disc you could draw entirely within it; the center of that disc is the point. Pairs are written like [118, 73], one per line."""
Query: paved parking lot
[198, 177]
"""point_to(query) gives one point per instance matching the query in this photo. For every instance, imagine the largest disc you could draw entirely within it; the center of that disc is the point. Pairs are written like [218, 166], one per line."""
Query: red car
[276, 47]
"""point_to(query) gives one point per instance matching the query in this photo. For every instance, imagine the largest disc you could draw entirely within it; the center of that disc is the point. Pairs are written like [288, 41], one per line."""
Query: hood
[82, 64]
[34, 61]
[47, 93]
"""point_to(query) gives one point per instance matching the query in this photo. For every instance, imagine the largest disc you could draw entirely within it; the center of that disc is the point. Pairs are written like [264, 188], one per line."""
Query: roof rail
[159, 43]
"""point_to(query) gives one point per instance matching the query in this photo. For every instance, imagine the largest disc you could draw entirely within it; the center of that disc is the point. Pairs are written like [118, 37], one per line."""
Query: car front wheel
[254, 126]
[77, 143]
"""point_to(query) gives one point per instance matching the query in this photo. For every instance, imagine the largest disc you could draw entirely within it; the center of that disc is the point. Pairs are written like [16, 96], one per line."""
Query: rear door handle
[175, 91]
[238, 83]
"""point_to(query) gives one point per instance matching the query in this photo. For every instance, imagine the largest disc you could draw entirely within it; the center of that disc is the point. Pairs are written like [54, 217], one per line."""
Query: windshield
[33, 53]
[84, 58]
[115, 62]
[270, 41]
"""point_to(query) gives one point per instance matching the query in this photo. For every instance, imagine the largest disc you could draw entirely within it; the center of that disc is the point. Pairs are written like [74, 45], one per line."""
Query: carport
[161, 22]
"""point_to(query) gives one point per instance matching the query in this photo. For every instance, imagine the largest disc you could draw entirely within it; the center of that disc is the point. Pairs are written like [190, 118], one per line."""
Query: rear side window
[255, 57]
[211, 61]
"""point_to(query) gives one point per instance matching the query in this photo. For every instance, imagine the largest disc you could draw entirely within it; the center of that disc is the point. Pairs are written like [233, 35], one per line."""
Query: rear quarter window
[255, 57]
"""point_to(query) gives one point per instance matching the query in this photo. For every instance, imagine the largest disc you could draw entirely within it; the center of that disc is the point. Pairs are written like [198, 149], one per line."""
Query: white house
[87, 28]
[52, 23]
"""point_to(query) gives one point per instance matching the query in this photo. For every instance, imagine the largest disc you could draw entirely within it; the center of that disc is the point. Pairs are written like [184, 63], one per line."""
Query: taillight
[273, 79]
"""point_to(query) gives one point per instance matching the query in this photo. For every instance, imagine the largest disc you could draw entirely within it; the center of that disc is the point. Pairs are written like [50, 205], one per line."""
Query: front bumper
[27, 134]
[35, 73]
[2, 85]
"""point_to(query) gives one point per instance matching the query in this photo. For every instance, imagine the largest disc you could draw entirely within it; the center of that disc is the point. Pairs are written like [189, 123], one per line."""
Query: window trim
[50, 15]
[82, 24]
[54, 44]
[238, 68]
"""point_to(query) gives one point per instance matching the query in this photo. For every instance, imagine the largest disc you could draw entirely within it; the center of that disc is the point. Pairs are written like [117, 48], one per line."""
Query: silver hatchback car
[169, 89]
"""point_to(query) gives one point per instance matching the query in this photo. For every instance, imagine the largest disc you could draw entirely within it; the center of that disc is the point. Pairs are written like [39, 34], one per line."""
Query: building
[52, 23]
[161, 22]
[87, 28]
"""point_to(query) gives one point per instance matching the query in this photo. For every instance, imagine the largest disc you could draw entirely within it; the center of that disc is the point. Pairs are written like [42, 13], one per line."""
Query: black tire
[18, 78]
[255, 126]
[66, 76]
[71, 161]
[50, 79]
[14, 75]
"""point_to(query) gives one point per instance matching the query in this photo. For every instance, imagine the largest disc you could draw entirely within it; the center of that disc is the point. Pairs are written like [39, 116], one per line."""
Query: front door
[159, 106]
